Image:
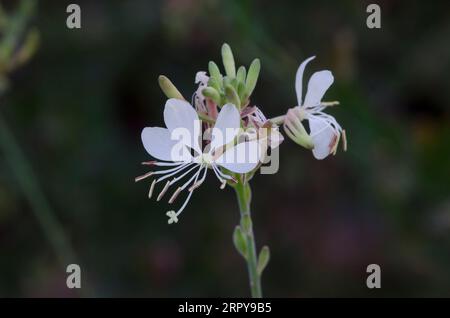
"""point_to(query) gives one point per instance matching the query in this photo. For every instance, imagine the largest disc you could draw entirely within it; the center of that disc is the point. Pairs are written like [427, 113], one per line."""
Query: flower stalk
[247, 247]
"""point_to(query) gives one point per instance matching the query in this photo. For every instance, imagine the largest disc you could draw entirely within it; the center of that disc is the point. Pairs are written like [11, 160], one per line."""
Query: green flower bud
[214, 71]
[252, 77]
[295, 129]
[232, 96]
[212, 93]
[241, 74]
[228, 61]
[241, 91]
[168, 88]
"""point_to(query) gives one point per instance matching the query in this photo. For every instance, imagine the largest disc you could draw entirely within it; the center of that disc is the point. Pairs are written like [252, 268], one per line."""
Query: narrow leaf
[263, 259]
[239, 241]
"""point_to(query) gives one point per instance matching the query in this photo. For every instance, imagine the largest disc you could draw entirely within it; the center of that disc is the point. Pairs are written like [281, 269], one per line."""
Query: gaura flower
[178, 146]
[325, 132]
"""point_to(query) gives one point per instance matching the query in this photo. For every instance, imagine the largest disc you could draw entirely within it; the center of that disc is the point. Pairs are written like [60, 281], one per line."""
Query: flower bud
[228, 61]
[294, 128]
[168, 88]
[212, 93]
[232, 96]
[241, 74]
[252, 77]
[214, 71]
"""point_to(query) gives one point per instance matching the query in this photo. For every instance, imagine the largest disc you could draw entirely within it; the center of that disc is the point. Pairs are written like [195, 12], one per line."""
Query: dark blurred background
[78, 107]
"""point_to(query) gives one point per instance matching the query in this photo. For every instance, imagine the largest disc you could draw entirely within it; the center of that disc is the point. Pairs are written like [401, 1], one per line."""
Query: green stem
[29, 185]
[243, 192]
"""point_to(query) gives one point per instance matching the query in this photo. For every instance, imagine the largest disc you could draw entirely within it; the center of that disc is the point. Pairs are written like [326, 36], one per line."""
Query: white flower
[325, 132]
[179, 146]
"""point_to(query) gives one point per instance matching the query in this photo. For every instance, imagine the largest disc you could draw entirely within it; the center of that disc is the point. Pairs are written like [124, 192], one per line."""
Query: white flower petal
[227, 126]
[323, 135]
[182, 121]
[158, 144]
[242, 158]
[299, 79]
[317, 86]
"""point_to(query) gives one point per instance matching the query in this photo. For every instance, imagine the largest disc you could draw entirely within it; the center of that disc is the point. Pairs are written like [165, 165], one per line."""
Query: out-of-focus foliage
[79, 105]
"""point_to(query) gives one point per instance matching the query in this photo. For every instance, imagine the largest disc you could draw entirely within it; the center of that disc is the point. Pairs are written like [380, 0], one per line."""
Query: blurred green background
[78, 107]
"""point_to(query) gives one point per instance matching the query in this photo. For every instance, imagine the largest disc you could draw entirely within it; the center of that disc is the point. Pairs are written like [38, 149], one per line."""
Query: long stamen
[223, 175]
[148, 174]
[344, 140]
[152, 187]
[182, 176]
[174, 195]
[195, 176]
[217, 175]
[161, 194]
[173, 173]
[199, 183]
[161, 164]
[172, 169]
[188, 197]
[179, 189]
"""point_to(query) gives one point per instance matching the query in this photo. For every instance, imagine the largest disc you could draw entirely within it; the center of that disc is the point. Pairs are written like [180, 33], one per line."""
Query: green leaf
[212, 93]
[228, 61]
[252, 77]
[239, 241]
[263, 259]
[168, 88]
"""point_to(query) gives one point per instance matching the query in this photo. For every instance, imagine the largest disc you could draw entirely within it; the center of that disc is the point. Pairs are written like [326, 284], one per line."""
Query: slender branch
[243, 192]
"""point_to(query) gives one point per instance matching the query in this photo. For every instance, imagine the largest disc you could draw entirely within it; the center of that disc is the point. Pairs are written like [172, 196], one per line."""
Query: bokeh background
[77, 108]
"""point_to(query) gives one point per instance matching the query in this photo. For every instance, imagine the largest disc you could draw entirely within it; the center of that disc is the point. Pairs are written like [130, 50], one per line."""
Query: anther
[163, 191]
[148, 174]
[150, 192]
[175, 195]
[148, 163]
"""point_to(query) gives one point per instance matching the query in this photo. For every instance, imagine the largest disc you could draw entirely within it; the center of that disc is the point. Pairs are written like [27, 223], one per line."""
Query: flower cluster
[221, 130]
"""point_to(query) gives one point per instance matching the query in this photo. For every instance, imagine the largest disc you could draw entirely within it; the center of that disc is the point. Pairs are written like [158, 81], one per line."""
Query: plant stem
[244, 195]
[29, 185]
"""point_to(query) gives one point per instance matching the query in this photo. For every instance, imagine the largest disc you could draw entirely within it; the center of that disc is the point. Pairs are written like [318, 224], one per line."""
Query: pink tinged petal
[299, 79]
[317, 86]
[158, 144]
[323, 135]
[227, 126]
[183, 123]
[242, 158]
